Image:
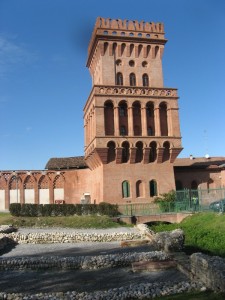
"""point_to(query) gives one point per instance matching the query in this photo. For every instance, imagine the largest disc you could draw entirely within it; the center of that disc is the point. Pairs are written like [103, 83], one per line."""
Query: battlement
[142, 26]
[118, 30]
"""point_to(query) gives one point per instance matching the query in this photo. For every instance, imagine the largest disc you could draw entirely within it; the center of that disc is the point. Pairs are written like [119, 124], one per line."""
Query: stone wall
[210, 270]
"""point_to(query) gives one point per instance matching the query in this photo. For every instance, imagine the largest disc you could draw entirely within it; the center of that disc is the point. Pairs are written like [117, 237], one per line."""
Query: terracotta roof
[76, 162]
[200, 162]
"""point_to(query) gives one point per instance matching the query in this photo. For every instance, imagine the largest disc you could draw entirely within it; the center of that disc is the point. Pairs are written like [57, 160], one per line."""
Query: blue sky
[44, 82]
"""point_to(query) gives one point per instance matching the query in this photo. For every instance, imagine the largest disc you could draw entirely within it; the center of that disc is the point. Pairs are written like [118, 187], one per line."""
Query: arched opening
[150, 119]
[58, 186]
[132, 79]
[156, 51]
[140, 47]
[125, 152]
[139, 152]
[125, 189]
[145, 80]
[153, 152]
[29, 192]
[14, 189]
[139, 189]
[153, 188]
[123, 47]
[163, 119]
[109, 118]
[105, 47]
[131, 49]
[194, 185]
[166, 151]
[123, 118]
[111, 151]
[43, 187]
[136, 108]
[119, 78]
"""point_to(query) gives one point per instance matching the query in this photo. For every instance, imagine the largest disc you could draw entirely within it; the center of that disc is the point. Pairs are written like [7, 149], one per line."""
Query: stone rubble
[140, 291]
[81, 262]
[75, 237]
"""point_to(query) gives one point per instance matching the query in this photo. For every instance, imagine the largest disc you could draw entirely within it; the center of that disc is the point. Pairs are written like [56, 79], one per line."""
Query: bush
[45, 210]
[15, 209]
[166, 201]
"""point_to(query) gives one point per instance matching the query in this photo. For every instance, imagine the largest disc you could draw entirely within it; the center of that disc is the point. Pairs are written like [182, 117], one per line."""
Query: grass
[97, 222]
[204, 232]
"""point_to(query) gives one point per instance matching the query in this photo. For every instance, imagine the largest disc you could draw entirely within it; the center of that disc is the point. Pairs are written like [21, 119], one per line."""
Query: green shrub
[49, 210]
[15, 209]
[166, 201]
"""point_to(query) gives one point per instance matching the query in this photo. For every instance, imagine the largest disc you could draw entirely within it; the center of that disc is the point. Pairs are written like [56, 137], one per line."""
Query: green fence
[186, 201]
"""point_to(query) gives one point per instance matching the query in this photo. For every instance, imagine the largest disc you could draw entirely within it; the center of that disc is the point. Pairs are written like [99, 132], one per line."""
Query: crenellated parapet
[118, 29]
[142, 26]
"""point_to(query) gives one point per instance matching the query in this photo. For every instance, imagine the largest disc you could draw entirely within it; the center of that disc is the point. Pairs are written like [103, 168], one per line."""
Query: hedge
[39, 210]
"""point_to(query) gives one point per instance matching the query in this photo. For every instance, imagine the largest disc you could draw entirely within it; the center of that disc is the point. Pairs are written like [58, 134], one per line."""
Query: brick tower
[131, 121]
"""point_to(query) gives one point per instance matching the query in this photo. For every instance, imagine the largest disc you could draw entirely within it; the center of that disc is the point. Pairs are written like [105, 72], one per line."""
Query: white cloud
[13, 55]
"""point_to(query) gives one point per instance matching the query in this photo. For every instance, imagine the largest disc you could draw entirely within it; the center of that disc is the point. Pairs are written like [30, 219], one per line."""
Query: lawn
[64, 222]
[204, 232]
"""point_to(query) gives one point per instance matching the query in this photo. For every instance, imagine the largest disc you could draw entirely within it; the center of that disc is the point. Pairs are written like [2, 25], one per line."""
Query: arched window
[139, 152]
[150, 119]
[163, 119]
[111, 151]
[119, 78]
[145, 80]
[139, 189]
[123, 118]
[166, 151]
[132, 79]
[125, 152]
[136, 109]
[156, 51]
[125, 189]
[109, 118]
[153, 188]
[153, 152]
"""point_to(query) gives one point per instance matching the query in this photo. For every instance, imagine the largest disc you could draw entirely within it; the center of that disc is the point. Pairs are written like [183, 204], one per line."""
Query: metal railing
[186, 201]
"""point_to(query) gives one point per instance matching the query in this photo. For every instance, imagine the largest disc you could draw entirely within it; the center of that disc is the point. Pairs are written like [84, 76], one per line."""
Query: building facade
[131, 128]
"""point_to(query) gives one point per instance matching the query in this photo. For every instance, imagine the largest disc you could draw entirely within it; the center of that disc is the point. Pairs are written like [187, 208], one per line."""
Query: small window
[105, 32]
[132, 79]
[139, 34]
[145, 80]
[153, 188]
[131, 34]
[114, 32]
[131, 63]
[144, 64]
[148, 35]
[123, 33]
[119, 79]
[126, 189]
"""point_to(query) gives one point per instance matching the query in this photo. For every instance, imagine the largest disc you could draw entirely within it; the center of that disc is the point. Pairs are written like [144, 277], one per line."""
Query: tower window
[131, 63]
[132, 79]
[119, 79]
[145, 80]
